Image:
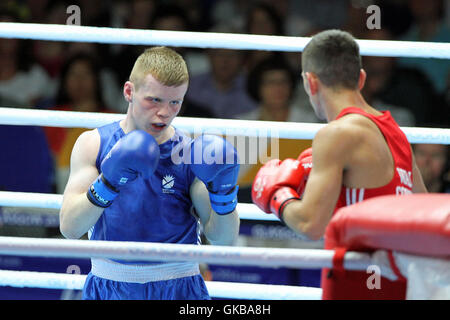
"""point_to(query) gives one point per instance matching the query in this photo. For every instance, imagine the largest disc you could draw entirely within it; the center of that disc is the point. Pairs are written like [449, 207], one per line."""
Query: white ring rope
[74, 119]
[56, 32]
[247, 211]
[216, 289]
[148, 251]
[248, 128]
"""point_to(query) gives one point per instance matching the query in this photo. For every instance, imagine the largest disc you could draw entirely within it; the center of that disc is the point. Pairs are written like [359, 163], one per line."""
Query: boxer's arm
[418, 184]
[311, 215]
[218, 229]
[78, 214]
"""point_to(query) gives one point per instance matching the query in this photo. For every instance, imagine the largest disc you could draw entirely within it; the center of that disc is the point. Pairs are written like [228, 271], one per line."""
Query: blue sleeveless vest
[157, 209]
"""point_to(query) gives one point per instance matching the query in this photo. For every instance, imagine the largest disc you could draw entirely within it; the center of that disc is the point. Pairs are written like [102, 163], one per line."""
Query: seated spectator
[94, 13]
[271, 83]
[326, 14]
[222, 90]
[79, 91]
[138, 16]
[433, 161]
[111, 89]
[428, 25]
[405, 92]
[380, 72]
[197, 12]
[295, 24]
[262, 19]
[173, 18]
[22, 82]
[230, 12]
[50, 55]
[355, 18]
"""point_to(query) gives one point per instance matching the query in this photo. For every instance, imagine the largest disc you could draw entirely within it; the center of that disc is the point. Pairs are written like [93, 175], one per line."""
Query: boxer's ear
[310, 82]
[362, 79]
[128, 89]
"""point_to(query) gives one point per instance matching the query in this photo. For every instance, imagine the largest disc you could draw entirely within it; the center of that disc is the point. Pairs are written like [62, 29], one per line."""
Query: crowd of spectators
[234, 84]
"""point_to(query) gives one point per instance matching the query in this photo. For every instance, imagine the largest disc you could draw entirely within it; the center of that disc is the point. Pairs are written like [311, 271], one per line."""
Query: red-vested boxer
[361, 152]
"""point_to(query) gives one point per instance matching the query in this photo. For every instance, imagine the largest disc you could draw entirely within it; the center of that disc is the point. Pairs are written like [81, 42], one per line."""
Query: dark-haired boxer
[361, 152]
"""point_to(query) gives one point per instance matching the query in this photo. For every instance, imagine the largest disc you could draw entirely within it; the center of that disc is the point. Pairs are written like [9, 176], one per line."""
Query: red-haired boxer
[127, 184]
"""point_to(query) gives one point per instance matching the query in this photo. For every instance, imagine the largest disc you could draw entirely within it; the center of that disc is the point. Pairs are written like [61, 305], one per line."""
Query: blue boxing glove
[216, 163]
[137, 153]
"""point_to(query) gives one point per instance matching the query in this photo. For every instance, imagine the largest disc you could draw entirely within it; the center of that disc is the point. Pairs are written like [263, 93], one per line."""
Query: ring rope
[73, 33]
[76, 119]
[217, 289]
[230, 127]
[247, 211]
[148, 251]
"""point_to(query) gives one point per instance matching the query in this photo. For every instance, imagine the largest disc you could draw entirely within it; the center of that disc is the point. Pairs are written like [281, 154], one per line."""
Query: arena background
[224, 84]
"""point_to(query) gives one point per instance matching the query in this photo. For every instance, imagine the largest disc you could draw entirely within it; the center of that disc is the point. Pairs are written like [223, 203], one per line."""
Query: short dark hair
[333, 55]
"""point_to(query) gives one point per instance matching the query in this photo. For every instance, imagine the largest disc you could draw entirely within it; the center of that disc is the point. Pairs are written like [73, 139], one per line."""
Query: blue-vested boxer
[125, 186]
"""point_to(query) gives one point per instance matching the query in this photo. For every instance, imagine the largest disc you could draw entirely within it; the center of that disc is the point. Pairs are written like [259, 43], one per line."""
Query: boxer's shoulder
[87, 146]
[340, 132]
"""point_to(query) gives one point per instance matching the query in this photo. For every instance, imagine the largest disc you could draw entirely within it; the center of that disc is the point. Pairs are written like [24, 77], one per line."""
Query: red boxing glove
[305, 159]
[275, 185]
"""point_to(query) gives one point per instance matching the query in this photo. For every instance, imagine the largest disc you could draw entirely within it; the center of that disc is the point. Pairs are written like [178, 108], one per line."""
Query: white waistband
[115, 271]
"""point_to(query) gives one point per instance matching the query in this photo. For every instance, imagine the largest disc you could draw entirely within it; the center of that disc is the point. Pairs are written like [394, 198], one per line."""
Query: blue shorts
[186, 288]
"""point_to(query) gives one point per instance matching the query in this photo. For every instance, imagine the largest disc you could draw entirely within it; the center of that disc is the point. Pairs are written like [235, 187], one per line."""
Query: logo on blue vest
[167, 183]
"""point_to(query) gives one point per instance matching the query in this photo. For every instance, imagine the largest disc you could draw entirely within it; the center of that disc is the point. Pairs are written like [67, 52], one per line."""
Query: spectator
[111, 90]
[428, 25]
[271, 83]
[140, 14]
[380, 74]
[294, 23]
[433, 163]
[395, 16]
[173, 18]
[50, 54]
[326, 14]
[22, 82]
[197, 12]
[95, 13]
[355, 19]
[222, 90]
[170, 17]
[79, 90]
[139, 17]
[262, 19]
[230, 12]
[403, 90]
